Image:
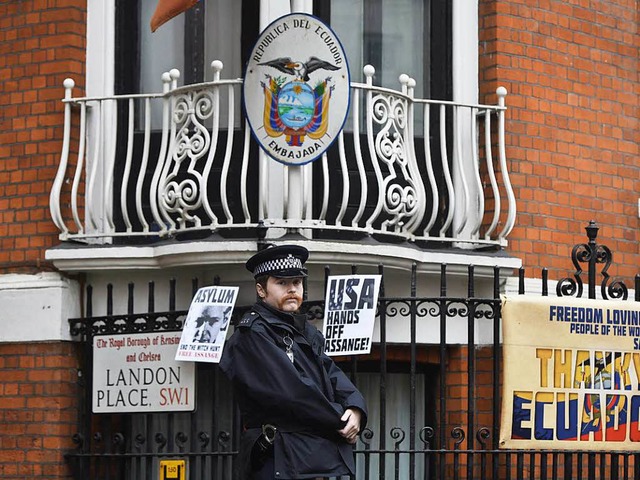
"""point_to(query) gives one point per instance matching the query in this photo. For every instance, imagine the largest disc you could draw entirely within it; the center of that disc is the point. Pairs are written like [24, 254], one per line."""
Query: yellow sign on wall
[571, 374]
[173, 470]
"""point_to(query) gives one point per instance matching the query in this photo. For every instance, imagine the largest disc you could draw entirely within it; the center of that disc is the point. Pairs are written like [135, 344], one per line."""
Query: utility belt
[264, 442]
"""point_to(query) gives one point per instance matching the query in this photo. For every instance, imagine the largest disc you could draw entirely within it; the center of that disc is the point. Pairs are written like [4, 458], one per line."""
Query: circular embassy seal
[296, 89]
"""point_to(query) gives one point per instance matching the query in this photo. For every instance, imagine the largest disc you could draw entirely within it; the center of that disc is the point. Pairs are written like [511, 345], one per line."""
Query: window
[395, 37]
[397, 417]
[400, 36]
[403, 36]
[212, 30]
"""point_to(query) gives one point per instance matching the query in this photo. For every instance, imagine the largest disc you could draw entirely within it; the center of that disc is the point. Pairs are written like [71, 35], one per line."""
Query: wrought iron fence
[434, 409]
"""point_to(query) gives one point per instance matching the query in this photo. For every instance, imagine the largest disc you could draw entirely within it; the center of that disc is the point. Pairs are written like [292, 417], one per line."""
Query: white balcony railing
[158, 165]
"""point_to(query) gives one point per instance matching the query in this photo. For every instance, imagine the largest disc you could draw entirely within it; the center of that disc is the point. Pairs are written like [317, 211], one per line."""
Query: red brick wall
[39, 400]
[41, 43]
[457, 387]
[573, 129]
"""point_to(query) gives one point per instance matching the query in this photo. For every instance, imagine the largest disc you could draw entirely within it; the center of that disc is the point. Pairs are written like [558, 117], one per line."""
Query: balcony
[137, 169]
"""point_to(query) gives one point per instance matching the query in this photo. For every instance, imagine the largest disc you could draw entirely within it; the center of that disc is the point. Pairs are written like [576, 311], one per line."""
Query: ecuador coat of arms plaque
[296, 89]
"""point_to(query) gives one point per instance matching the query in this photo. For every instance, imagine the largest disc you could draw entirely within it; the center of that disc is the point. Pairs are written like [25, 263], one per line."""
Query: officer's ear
[260, 290]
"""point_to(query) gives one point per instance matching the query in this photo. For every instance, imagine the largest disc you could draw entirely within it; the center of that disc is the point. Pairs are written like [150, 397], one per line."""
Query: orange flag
[167, 9]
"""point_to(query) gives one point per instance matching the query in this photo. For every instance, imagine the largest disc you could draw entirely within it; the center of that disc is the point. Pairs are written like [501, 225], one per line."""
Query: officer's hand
[352, 428]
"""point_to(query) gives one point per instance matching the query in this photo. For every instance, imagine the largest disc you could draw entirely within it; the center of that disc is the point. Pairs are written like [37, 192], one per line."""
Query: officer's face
[284, 294]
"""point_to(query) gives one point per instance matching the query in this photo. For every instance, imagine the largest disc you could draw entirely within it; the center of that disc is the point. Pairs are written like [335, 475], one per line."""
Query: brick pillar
[39, 408]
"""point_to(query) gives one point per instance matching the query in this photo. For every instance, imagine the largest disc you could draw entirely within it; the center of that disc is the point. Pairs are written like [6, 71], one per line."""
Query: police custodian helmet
[283, 261]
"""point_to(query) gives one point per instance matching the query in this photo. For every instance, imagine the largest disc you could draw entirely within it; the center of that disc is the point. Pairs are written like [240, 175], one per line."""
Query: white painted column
[271, 173]
[100, 81]
[295, 182]
[36, 308]
[280, 181]
[465, 90]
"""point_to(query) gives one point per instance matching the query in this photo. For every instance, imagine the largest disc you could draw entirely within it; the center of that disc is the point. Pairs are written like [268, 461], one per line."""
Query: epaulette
[247, 320]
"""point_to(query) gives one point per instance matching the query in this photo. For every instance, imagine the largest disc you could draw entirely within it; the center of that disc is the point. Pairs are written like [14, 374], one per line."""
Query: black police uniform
[304, 399]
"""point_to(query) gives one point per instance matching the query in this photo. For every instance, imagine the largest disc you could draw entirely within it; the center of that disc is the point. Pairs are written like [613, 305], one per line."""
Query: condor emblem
[296, 89]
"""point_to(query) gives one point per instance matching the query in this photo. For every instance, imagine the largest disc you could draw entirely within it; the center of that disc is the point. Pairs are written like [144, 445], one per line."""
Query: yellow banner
[571, 374]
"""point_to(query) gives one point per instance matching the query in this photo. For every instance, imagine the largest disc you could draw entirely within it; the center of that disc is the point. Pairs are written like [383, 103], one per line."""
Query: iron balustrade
[135, 168]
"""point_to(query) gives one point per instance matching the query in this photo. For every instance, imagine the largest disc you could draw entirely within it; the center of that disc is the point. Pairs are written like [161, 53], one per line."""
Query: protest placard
[350, 313]
[205, 328]
[571, 374]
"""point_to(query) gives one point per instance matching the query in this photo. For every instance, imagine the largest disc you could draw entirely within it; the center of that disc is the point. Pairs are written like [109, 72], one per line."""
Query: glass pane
[398, 422]
[222, 37]
[347, 22]
[402, 42]
[394, 30]
[161, 50]
[223, 26]
[389, 35]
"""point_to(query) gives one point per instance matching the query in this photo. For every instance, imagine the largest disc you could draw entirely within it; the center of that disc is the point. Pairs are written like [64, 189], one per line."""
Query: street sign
[173, 470]
[137, 372]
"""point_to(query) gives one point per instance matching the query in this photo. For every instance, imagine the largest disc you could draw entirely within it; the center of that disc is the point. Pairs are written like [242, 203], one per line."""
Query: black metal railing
[434, 406]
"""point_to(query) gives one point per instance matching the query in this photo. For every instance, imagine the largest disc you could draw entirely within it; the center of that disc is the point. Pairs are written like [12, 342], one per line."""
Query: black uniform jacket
[304, 400]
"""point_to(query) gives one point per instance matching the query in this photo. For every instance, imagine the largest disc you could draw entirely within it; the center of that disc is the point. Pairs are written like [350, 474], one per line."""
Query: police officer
[300, 412]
